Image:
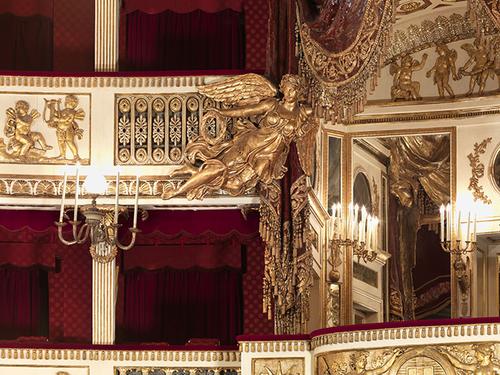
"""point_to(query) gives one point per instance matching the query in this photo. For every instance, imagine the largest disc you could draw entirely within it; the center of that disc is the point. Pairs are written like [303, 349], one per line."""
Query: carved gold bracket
[477, 169]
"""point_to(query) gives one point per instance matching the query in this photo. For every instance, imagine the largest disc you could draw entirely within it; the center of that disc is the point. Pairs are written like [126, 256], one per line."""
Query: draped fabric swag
[419, 168]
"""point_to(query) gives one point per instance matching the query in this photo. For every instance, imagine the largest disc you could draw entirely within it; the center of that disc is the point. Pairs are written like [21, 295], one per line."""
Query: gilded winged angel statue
[258, 150]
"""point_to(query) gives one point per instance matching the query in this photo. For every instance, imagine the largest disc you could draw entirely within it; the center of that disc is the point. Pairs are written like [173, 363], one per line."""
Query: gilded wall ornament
[278, 366]
[481, 359]
[337, 80]
[256, 154]
[443, 67]
[477, 169]
[442, 30]
[64, 120]
[369, 362]
[479, 66]
[155, 129]
[29, 137]
[22, 143]
[404, 88]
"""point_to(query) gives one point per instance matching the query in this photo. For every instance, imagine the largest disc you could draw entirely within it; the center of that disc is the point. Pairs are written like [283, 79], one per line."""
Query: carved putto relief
[59, 136]
[474, 66]
[281, 366]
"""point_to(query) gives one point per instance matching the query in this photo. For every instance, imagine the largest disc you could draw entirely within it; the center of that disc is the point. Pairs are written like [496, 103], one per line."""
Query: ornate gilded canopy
[338, 68]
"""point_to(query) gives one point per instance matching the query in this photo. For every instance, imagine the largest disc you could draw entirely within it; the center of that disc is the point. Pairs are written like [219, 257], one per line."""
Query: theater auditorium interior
[250, 187]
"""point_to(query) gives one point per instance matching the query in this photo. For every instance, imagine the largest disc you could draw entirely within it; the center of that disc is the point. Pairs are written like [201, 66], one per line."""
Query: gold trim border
[101, 82]
[404, 333]
[230, 356]
[275, 346]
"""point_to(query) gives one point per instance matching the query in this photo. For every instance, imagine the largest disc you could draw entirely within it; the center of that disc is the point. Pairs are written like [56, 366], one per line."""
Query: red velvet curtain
[23, 301]
[27, 42]
[170, 305]
[188, 41]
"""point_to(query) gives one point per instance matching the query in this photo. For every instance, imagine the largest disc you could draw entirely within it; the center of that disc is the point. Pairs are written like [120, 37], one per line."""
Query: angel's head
[71, 101]
[22, 107]
[442, 49]
[483, 352]
[290, 87]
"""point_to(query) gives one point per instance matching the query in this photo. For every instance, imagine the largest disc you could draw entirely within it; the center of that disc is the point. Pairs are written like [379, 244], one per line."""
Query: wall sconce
[452, 239]
[100, 225]
[358, 231]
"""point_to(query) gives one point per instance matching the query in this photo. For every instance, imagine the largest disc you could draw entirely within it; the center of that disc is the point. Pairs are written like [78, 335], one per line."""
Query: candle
[468, 227]
[369, 234]
[355, 222]
[77, 190]
[136, 200]
[459, 223]
[474, 233]
[448, 222]
[349, 221]
[441, 216]
[375, 234]
[117, 195]
[65, 180]
[363, 224]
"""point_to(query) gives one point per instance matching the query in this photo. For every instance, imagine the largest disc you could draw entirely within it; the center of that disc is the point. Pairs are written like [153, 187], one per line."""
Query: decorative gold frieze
[415, 38]
[463, 331]
[481, 358]
[155, 129]
[146, 370]
[103, 82]
[278, 366]
[477, 170]
[232, 357]
[55, 140]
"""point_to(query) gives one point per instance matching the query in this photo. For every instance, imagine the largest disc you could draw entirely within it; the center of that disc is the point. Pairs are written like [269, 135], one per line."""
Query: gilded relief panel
[44, 128]
[278, 366]
[463, 359]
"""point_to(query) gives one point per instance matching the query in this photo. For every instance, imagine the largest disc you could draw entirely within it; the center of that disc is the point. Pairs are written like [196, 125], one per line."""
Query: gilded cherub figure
[64, 120]
[403, 86]
[444, 65]
[480, 64]
[22, 141]
[257, 152]
[484, 361]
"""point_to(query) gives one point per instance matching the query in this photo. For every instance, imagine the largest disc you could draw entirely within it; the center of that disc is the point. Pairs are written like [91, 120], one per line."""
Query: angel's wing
[241, 90]
[306, 142]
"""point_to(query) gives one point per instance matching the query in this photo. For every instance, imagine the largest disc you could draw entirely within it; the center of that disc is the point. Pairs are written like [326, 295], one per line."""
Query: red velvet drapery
[174, 41]
[23, 301]
[170, 305]
[27, 42]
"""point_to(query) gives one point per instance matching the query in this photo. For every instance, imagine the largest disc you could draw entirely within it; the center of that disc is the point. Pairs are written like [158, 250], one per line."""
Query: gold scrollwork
[477, 169]
[337, 81]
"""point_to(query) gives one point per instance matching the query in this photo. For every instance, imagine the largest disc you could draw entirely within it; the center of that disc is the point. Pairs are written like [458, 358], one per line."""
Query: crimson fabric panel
[173, 306]
[187, 41]
[24, 302]
[27, 42]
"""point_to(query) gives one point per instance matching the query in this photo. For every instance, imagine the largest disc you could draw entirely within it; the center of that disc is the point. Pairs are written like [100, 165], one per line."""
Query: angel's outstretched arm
[249, 110]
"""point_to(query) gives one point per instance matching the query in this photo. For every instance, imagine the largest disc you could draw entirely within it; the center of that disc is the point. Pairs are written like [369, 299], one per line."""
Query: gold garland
[477, 170]
[337, 81]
